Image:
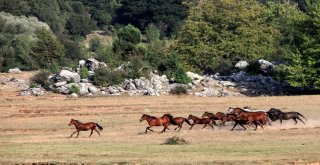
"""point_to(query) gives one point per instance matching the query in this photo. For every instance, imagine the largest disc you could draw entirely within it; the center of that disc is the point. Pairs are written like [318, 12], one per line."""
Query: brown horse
[177, 120]
[205, 121]
[84, 127]
[218, 116]
[156, 121]
[256, 118]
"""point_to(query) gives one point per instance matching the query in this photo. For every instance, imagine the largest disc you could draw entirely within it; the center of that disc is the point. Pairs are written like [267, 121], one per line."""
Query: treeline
[172, 36]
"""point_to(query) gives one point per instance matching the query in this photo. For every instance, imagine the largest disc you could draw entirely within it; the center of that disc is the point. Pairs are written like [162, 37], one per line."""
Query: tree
[305, 68]
[225, 30]
[48, 50]
[166, 15]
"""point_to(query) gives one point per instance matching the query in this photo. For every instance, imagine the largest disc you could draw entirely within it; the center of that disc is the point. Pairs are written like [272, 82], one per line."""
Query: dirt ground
[35, 130]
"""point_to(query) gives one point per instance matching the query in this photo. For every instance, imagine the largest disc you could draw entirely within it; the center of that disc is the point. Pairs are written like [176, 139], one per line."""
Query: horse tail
[187, 121]
[301, 116]
[99, 127]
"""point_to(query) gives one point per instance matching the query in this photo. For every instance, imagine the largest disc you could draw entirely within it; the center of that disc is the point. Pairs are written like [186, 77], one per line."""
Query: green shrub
[181, 76]
[33, 85]
[179, 90]
[175, 141]
[75, 89]
[105, 77]
[84, 73]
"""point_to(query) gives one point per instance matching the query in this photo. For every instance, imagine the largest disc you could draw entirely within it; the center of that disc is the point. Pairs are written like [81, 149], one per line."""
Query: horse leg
[180, 127]
[97, 132]
[280, 121]
[295, 120]
[164, 129]
[148, 128]
[191, 126]
[204, 126]
[211, 126]
[300, 120]
[243, 126]
[91, 132]
[73, 133]
[78, 134]
[235, 124]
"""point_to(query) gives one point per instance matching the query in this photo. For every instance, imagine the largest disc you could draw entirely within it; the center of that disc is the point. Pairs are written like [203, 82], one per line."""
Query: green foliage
[224, 29]
[33, 85]
[84, 73]
[152, 33]
[105, 77]
[74, 89]
[179, 90]
[130, 34]
[181, 76]
[48, 50]
[166, 15]
[79, 24]
[253, 67]
[94, 44]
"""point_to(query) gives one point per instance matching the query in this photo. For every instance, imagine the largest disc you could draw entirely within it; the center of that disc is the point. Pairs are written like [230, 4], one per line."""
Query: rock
[142, 83]
[241, 65]
[93, 89]
[113, 90]
[240, 76]
[84, 88]
[70, 76]
[208, 92]
[14, 70]
[82, 63]
[196, 79]
[265, 65]
[151, 92]
[129, 85]
[62, 83]
[92, 64]
[25, 93]
[74, 95]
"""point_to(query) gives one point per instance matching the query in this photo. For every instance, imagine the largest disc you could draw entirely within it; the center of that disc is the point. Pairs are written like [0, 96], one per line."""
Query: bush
[253, 67]
[105, 77]
[181, 76]
[175, 141]
[41, 78]
[75, 89]
[179, 90]
[84, 73]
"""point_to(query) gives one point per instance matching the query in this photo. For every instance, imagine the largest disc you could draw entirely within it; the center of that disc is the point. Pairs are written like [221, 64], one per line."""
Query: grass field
[34, 130]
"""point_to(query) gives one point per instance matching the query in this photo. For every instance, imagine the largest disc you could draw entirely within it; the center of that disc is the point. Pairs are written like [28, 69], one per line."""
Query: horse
[217, 116]
[233, 117]
[84, 127]
[156, 121]
[275, 114]
[177, 120]
[257, 118]
[197, 120]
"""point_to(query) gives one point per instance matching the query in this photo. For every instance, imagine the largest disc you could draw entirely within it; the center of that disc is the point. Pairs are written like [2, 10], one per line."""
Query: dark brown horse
[205, 121]
[256, 118]
[84, 127]
[177, 120]
[275, 114]
[156, 121]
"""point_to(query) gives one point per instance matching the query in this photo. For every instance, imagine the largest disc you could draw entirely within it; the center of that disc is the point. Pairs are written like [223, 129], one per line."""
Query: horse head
[143, 117]
[71, 122]
[206, 113]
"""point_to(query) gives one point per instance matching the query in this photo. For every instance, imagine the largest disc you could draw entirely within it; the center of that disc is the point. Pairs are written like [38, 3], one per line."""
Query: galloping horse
[275, 114]
[218, 116]
[257, 118]
[177, 120]
[156, 121]
[84, 127]
[197, 120]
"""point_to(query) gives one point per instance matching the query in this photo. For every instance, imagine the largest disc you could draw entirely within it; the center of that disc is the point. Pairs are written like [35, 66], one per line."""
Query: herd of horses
[239, 116]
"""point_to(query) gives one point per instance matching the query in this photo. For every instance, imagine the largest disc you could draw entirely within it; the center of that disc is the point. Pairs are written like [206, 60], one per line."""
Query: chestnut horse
[156, 121]
[257, 118]
[84, 127]
[218, 116]
[205, 121]
[177, 120]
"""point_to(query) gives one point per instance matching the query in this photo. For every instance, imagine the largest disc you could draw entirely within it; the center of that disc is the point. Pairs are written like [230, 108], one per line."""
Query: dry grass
[35, 130]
